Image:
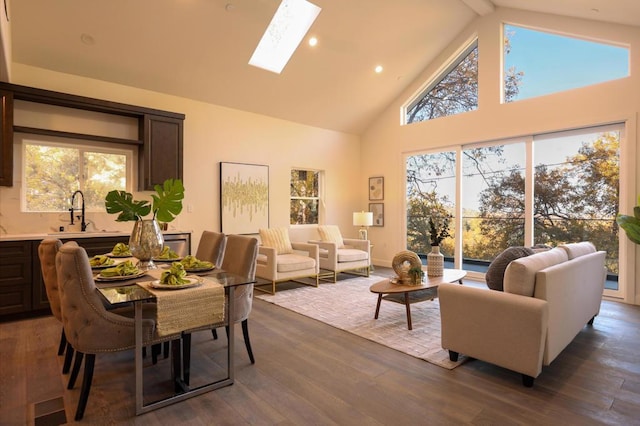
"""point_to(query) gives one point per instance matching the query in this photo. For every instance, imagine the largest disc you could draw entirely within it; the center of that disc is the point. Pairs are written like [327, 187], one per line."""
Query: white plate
[192, 270]
[192, 283]
[115, 263]
[120, 277]
[110, 254]
[175, 259]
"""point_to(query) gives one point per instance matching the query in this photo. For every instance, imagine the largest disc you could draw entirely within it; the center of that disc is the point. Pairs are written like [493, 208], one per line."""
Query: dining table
[138, 291]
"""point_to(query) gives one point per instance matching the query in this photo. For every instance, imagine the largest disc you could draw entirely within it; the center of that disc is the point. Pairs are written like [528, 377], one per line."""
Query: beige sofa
[548, 298]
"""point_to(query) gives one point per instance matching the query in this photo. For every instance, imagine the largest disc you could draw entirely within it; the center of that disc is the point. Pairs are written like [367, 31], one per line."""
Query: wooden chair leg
[214, 332]
[68, 357]
[75, 370]
[63, 343]
[247, 342]
[165, 350]
[186, 357]
[86, 385]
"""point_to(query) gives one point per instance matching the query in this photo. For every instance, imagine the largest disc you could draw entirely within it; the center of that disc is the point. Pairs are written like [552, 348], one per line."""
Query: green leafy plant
[416, 273]
[167, 203]
[439, 230]
[631, 224]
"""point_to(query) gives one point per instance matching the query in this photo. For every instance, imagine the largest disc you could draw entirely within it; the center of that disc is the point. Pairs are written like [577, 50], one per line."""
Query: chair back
[240, 258]
[211, 247]
[89, 327]
[47, 251]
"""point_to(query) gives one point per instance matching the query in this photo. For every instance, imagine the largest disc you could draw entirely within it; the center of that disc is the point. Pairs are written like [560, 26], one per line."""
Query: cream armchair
[339, 254]
[281, 260]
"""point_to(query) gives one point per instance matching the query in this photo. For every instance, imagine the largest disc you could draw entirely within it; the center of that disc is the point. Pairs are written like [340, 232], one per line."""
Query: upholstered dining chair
[47, 251]
[211, 247]
[89, 327]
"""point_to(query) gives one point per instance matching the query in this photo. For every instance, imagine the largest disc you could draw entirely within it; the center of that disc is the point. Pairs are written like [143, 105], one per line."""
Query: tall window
[52, 172]
[571, 181]
[305, 197]
[453, 91]
[549, 63]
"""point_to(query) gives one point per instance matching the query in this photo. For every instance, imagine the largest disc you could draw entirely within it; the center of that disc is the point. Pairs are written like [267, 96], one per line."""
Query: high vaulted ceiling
[199, 49]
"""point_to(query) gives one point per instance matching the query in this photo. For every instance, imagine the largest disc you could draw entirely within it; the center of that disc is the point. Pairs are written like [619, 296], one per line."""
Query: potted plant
[631, 224]
[146, 239]
[416, 275]
[438, 231]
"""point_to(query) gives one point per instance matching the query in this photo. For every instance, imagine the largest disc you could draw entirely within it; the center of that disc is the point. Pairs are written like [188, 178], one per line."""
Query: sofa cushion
[351, 255]
[578, 249]
[495, 272]
[277, 238]
[520, 275]
[294, 262]
[331, 234]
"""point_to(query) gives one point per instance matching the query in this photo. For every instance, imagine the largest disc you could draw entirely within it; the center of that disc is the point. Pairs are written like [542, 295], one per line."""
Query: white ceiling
[199, 49]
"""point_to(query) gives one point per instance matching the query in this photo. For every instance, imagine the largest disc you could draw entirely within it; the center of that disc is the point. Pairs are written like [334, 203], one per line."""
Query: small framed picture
[376, 188]
[378, 213]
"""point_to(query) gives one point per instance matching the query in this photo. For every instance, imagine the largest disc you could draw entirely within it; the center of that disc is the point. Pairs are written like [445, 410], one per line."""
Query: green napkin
[175, 275]
[191, 262]
[123, 269]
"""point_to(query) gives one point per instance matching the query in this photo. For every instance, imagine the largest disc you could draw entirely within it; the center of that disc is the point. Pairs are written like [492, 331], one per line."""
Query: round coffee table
[408, 294]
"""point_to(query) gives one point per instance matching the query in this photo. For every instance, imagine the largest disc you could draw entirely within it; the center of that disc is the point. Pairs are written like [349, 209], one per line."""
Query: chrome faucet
[83, 224]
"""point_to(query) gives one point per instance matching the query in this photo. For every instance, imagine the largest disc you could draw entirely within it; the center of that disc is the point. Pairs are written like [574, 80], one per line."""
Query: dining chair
[47, 251]
[211, 247]
[240, 258]
[89, 327]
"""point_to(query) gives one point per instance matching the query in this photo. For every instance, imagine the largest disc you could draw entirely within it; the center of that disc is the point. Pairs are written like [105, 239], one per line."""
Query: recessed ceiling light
[378, 69]
[313, 41]
[87, 39]
[283, 35]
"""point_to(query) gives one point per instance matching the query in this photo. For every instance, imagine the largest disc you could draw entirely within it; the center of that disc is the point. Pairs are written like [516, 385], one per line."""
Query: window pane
[540, 63]
[305, 197]
[431, 188]
[304, 212]
[304, 183]
[455, 92]
[493, 202]
[576, 191]
[103, 173]
[51, 175]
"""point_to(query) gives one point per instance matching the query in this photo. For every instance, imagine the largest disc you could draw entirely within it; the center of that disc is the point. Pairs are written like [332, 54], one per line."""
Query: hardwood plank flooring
[307, 372]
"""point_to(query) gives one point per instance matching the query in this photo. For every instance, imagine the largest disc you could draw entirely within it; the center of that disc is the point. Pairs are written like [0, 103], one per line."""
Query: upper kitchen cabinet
[161, 152]
[158, 137]
[6, 139]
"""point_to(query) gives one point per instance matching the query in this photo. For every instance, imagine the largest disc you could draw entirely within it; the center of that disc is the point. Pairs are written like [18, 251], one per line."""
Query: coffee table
[408, 294]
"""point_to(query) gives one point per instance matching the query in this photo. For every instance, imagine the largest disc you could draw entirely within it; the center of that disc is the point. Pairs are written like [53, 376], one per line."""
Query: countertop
[74, 235]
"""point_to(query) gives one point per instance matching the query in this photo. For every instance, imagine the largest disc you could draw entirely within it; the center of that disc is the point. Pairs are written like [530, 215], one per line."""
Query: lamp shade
[362, 219]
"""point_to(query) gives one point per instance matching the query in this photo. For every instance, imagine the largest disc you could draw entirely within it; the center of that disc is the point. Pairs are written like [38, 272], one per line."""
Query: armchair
[339, 254]
[281, 260]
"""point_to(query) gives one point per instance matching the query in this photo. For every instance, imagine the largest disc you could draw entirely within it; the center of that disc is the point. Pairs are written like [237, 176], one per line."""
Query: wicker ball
[403, 261]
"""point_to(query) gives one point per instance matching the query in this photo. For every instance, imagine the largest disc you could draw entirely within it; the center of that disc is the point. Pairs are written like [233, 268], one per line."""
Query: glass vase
[435, 262]
[146, 242]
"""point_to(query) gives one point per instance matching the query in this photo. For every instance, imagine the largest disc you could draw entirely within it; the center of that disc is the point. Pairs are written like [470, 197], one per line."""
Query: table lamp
[363, 220]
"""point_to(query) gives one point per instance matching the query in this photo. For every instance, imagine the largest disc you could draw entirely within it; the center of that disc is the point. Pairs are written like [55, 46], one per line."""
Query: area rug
[350, 306]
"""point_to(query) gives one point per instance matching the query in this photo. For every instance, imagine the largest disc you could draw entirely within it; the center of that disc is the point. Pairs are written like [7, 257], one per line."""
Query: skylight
[288, 27]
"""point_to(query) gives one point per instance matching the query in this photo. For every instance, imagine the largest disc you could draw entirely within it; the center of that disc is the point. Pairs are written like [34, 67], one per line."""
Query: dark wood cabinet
[6, 139]
[16, 271]
[161, 152]
[22, 290]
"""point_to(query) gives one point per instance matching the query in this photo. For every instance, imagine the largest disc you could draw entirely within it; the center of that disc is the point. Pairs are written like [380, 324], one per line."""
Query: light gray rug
[350, 306]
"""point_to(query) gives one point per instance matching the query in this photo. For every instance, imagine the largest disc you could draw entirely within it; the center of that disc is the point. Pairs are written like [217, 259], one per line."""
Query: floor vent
[49, 413]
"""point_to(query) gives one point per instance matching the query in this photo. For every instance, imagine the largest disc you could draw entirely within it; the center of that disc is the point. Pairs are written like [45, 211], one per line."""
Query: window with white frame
[52, 172]
[305, 197]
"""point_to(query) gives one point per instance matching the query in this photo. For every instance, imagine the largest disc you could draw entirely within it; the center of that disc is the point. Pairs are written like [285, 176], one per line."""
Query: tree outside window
[305, 197]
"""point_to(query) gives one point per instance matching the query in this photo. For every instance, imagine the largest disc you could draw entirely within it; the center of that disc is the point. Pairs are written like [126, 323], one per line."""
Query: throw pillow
[277, 238]
[495, 272]
[331, 234]
[578, 249]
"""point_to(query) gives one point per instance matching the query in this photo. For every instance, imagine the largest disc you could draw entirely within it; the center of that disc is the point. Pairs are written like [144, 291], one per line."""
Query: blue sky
[554, 63]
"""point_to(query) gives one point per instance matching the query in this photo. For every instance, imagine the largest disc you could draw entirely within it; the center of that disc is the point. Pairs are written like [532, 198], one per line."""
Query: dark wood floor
[310, 373]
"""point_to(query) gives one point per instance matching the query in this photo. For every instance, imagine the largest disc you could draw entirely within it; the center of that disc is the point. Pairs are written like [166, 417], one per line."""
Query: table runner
[188, 308]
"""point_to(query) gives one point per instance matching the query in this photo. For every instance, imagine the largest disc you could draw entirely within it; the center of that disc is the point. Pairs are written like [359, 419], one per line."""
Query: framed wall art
[378, 213]
[244, 198]
[376, 188]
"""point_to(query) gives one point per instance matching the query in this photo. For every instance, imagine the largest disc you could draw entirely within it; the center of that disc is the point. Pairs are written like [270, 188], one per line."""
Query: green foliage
[438, 229]
[167, 203]
[631, 224]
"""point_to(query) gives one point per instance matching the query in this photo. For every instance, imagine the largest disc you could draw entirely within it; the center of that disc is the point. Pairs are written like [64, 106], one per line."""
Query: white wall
[211, 134]
[386, 142]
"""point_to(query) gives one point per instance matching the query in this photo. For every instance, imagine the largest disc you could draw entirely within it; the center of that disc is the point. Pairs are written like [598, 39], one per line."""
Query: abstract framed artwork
[244, 198]
[376, 188]
[378, 213]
